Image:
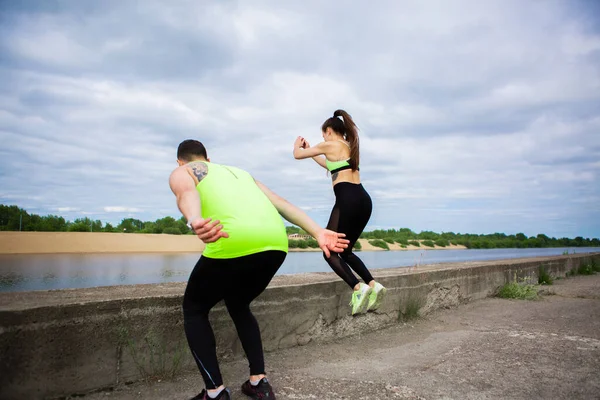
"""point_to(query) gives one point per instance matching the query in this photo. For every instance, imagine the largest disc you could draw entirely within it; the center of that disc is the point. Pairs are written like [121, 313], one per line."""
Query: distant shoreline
[105, 242]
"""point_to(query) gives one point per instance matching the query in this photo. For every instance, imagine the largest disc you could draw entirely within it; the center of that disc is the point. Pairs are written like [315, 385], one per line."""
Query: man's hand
[330, 240]
[207, 230]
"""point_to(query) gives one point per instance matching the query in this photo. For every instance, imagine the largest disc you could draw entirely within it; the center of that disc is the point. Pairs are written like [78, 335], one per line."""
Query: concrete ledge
[56, 343]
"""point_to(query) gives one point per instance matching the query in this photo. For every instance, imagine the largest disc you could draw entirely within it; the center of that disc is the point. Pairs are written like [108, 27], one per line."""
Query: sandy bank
[366, 246]
[98, 242]
[95, 242]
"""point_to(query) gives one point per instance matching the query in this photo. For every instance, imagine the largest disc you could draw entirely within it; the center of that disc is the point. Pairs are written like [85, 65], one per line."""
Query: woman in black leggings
[339, 154]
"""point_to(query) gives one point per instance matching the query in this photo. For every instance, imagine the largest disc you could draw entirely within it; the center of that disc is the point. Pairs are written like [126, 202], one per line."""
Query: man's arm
[328, 240]
[183, 183]
[184, 188]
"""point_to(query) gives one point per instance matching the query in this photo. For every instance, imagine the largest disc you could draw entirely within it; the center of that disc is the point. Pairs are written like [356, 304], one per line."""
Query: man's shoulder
[234, 168]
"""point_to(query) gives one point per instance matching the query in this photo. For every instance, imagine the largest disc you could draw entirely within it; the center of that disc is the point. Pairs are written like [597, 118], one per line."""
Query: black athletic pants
[238, 281]
[350, 215]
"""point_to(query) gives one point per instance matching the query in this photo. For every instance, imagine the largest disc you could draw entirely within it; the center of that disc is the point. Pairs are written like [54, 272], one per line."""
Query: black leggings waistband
[348, 188]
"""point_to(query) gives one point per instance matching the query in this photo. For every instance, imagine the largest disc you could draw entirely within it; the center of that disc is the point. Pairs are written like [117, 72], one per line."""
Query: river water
[60, 271]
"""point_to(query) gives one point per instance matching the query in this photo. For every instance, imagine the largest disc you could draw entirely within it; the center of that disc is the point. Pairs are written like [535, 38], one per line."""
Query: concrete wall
[56, 343]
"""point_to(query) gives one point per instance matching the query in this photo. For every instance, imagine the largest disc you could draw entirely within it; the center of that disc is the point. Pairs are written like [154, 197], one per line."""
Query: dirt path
[488, 349]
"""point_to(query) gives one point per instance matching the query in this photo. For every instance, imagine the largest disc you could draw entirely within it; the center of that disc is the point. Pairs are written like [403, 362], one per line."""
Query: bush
[585, 270]
[379, 243]
[428, 235]
[357, 246]
[78, 227]
[441, 242]
[414, 243]
[485, 244]
[312, 243]
[412, 307]
[544, 277]
[292, 243]
[171, 231]
[514, 290]
[389, 240]
[427, 243]
[402, 241]
[302, 244]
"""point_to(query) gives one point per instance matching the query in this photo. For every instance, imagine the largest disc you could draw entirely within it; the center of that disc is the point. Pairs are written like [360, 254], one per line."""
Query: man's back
[231, 195]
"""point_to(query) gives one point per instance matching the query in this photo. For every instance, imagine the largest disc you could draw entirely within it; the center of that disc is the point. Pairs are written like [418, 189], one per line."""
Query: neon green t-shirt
[231, 195]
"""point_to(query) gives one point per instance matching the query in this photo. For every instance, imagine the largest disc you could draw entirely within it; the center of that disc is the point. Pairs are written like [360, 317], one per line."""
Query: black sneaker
[262, 391]
[224, 395]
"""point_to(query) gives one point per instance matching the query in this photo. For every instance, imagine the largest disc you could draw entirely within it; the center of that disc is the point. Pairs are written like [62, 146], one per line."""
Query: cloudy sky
[475, 116]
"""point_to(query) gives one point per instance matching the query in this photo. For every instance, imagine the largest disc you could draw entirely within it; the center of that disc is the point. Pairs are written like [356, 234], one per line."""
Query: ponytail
[351, 133]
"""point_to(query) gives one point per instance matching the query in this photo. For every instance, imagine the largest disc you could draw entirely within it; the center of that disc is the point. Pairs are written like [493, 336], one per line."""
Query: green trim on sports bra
[333, 165]
[338, 165]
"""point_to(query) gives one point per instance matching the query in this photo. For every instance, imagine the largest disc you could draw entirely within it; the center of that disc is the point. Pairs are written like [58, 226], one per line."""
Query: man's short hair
[190, 149]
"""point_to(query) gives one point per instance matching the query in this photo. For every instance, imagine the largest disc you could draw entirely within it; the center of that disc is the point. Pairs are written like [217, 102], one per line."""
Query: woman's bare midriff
[346, 175]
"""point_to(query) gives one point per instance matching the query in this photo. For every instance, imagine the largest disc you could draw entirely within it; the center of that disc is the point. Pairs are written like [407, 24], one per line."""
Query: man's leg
[203, 291]
[250, 277]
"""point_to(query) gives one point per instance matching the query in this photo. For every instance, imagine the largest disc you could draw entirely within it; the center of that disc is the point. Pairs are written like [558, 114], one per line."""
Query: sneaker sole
[256, 397]
[378, 299]
[253, 397]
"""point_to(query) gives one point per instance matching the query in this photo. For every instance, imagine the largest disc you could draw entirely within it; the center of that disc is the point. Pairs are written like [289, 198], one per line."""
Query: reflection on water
[10, 279]
[48, 277]
[167, 273]
[58, 271]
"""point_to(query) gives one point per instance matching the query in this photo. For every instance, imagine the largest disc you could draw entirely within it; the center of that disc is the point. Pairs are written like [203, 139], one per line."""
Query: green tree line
[13, 218]
[405, 236]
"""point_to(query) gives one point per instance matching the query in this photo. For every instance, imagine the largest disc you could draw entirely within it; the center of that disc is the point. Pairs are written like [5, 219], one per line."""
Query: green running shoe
[360, 299]
[376, 296]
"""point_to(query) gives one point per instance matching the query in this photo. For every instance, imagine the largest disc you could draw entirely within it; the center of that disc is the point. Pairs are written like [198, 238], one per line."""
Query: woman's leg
[337, 263]
[355, 211]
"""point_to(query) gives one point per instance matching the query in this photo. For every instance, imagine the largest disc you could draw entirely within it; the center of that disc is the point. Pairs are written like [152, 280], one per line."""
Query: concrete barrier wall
[56, 343]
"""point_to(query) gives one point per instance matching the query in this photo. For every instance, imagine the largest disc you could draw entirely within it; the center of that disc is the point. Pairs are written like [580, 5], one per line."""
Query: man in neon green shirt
[239, 219]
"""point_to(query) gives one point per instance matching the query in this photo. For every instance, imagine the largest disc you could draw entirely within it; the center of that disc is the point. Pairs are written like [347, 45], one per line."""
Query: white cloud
[66, 209]
[122, 209]
[482, 116]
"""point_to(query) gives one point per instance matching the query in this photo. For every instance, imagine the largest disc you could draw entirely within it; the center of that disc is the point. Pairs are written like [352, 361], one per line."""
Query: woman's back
[338, 162]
